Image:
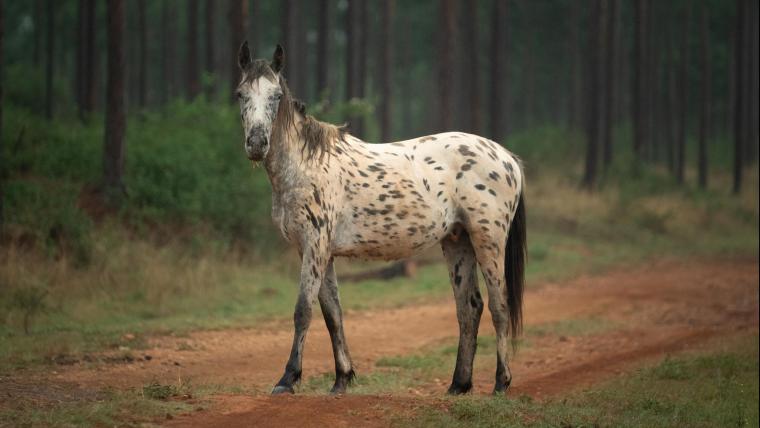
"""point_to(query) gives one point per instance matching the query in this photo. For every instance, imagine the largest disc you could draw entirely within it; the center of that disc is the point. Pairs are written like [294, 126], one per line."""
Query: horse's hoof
[501, 389]
[283, 389]
[338, 390]
[459, 388]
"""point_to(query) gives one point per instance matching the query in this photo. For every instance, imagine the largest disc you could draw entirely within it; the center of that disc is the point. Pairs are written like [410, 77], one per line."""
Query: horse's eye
[239, 95]
[278, 96]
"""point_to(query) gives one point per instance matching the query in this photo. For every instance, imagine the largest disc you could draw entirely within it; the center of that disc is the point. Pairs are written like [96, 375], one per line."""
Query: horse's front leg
[330, 304]
[313, 266]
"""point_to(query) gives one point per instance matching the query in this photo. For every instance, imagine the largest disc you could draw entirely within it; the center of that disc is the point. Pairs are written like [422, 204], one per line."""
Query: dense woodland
[644, 82]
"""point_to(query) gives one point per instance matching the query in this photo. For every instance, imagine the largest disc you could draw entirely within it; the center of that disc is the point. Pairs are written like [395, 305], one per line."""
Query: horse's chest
[282, 218]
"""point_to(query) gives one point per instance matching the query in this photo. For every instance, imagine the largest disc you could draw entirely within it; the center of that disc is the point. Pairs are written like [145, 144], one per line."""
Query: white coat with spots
[335, 195]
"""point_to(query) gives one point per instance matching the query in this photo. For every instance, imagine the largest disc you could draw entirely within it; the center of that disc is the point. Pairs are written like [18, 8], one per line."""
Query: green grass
[112, 408]
[193, 246]
[712, 389]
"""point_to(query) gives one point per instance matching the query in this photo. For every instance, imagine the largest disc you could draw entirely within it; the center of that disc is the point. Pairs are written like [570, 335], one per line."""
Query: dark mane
[319, 137]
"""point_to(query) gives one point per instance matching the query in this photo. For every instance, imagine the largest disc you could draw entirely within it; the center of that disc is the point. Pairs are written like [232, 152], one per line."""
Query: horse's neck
[285, 163]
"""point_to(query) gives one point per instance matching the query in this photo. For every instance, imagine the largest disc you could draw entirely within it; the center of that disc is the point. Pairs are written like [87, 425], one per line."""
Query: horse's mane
[319, 137]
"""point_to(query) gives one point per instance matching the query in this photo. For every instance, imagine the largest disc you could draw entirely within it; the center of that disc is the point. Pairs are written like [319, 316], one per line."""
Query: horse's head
[259, 94]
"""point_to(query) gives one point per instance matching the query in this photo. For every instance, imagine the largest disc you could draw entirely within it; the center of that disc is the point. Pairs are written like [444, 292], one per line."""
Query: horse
[334, 195]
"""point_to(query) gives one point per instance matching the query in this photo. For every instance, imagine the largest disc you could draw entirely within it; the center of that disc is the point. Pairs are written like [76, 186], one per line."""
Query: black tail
[514, 263]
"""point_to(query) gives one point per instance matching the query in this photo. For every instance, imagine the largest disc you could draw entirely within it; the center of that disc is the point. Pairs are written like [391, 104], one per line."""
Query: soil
[645, 314]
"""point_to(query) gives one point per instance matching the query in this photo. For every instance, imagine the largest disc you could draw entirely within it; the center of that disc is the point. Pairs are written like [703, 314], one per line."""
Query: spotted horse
[336, 195]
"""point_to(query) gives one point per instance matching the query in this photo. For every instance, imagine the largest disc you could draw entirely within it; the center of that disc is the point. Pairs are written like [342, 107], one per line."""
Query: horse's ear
[278, 59]
[244, 56]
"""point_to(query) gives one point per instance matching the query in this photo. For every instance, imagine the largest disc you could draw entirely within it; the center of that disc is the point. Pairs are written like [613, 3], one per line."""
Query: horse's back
[404, 196]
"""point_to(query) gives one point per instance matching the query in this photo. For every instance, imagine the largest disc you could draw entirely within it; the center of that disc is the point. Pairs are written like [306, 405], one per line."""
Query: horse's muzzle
[256, 147]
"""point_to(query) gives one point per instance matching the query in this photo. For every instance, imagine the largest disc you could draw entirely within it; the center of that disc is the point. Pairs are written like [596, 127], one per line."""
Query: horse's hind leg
[330, 304]
[489, 250]
[461, 262]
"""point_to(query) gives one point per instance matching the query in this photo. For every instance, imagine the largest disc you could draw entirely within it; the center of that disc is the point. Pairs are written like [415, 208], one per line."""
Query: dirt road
[649, 312]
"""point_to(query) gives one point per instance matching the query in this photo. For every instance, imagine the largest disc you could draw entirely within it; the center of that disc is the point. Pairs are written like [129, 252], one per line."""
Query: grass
[193, 247]
[113, 408]
[134, 285]
[712, 389]
[436, 363]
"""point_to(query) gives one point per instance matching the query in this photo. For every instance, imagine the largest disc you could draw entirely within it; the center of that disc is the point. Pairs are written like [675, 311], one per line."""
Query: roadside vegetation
[193, 247]
[718, 388]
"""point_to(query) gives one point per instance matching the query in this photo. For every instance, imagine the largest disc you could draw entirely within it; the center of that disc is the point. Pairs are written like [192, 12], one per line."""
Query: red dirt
[653, 311]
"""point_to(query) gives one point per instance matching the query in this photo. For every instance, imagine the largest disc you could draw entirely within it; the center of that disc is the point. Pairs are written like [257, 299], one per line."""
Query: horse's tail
[514, 264]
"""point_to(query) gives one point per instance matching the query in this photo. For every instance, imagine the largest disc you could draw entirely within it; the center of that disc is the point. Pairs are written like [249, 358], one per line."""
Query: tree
[288, 30]
[89, 59]
[254, 13]
[113, 153]
[446, 37]
[498, 69]
[574, 42]
[323, 36]
[361, 58]
[593, 97]
[142, 30]
[168, 46]
[386, 69]
[351, 45]
[193, 83]
[209, 66]
[471, 68]
[237, 15]
[739, 108]
[2, 58]
[49, 50]
[683, 95]
[752, 65]
[609, 86]
[704, 112]
[37, 32]
[639, 98]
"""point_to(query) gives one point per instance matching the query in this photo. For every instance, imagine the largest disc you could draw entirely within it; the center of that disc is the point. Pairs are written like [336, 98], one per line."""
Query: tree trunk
[49, 50]
[288, 36]
[639, 60]
[576, 70]
[142, 81]
[672, 104]
[471, 68]
[209, 41]
[498, 69]
[191, 67]
[386, 68]
[683, 97]
[704, 116]
[113, 153]
[254, 21]
[609, 84]
[79, 58]
[237, 16]
[168, 60]
[302, 51]
[752, 84]
[350, 50]
[323, 39]
[406, 79]
[37, 32]
[2, 152]
[361, 32]
[90, 59]
[446, 36]
[739, 94]
[593, 97]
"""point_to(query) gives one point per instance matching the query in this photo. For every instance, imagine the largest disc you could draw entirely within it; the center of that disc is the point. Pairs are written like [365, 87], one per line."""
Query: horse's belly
[390, 238]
